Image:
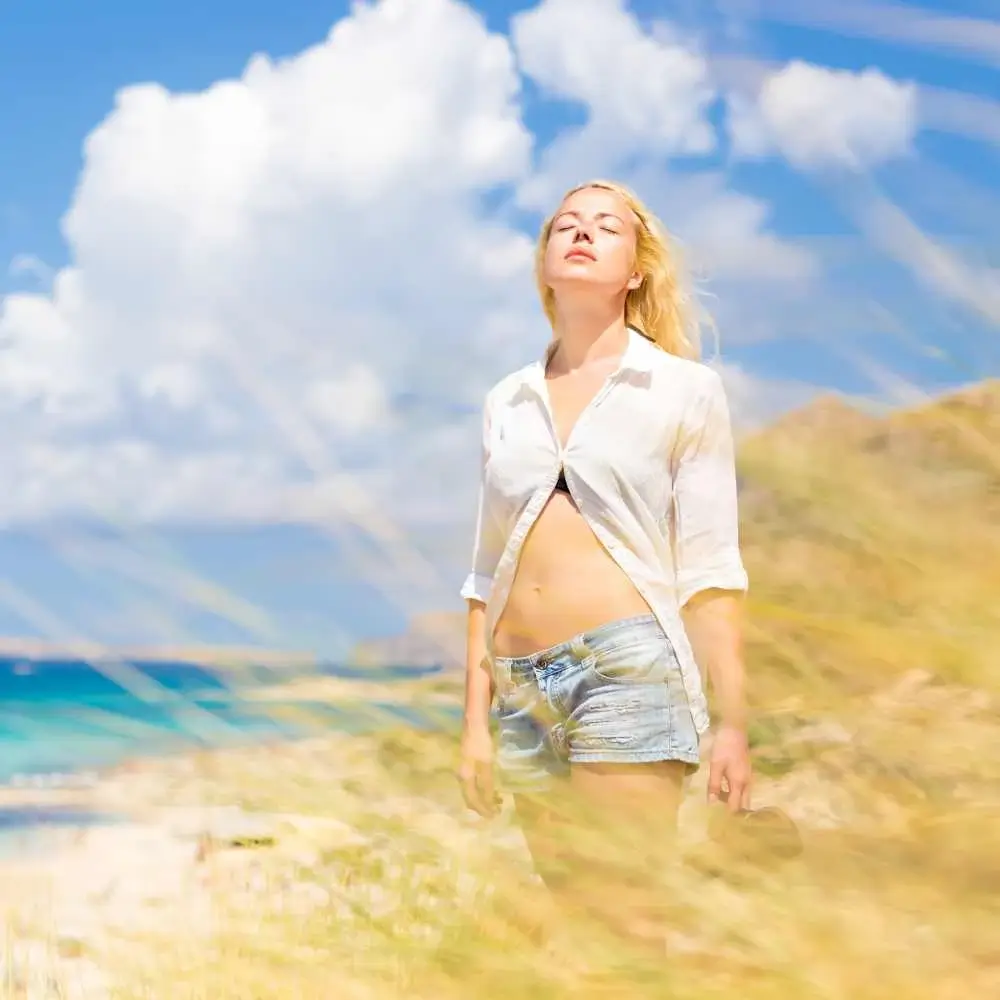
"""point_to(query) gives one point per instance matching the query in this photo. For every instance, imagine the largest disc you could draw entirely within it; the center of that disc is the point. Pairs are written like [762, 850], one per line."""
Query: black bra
[561, 486]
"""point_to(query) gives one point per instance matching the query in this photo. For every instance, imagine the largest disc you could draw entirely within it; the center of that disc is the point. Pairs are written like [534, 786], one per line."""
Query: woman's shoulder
[688, 376]
[506, 387]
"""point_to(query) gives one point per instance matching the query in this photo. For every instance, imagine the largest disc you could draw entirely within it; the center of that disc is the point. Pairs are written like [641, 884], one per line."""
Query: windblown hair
[662, 308]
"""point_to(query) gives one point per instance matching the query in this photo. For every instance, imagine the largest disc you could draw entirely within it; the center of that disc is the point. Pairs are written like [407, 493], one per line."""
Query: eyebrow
[600, 215]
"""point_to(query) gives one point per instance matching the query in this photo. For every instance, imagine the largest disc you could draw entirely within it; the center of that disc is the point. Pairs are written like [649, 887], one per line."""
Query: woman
[606, 561]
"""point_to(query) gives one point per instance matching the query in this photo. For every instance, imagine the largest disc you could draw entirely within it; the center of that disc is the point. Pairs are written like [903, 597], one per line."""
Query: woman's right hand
[475, 770]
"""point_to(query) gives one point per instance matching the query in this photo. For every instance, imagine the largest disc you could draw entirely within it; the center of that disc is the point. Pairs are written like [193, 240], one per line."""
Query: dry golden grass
[874, 630]
[405, 896]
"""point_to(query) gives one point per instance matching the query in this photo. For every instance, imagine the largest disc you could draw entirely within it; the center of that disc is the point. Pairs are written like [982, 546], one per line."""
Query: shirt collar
[639, 355]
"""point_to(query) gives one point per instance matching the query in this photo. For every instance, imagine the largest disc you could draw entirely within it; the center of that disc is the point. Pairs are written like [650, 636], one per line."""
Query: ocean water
[63, 721]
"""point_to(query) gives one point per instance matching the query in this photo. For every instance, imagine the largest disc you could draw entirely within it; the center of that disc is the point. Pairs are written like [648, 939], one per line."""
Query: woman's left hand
[730, 774]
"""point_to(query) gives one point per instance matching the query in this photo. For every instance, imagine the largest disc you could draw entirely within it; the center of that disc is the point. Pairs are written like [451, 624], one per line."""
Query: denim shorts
[611, 695]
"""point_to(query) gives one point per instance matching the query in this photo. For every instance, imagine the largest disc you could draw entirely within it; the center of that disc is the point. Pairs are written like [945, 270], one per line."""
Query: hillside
[431, 639]
[873, 550]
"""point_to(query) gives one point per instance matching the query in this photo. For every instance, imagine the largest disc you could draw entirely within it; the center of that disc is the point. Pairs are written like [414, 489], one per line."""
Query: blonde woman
[606, 562]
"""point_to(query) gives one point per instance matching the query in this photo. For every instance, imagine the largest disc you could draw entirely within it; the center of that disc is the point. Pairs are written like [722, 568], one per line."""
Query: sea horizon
[62, 717]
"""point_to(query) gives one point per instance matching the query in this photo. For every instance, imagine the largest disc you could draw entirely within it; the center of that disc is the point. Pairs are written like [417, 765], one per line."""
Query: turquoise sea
[64, 721]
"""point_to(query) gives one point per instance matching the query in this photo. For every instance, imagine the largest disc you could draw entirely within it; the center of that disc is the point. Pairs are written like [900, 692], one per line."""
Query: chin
[580, 281]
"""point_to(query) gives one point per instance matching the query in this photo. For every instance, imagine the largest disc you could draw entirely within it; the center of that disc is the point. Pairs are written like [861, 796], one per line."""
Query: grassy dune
[874, 551]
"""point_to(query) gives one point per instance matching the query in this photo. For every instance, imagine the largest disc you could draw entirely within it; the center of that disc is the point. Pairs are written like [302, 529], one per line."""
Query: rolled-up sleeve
[488, 541]
[707, 543]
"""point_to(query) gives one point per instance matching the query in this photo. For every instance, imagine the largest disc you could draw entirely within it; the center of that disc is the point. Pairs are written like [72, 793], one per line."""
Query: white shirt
[650, 466]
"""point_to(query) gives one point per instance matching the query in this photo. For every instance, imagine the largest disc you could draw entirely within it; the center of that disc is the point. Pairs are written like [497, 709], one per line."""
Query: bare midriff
[566, 583]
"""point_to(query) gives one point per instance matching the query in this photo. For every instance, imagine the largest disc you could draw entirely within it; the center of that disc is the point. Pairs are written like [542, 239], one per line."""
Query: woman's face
[591, 245]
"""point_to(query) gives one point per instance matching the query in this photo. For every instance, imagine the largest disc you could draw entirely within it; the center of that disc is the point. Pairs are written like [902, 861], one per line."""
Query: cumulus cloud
[648, 93]
[644, 90]
[818, 117]
[725, 232]
[288, 292]
[266, 274]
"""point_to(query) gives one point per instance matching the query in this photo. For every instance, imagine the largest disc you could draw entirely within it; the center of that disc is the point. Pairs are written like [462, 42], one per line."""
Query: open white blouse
[650, 465]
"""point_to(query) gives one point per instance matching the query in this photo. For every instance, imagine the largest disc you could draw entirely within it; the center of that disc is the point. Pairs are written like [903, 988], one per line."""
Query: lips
[578, 252]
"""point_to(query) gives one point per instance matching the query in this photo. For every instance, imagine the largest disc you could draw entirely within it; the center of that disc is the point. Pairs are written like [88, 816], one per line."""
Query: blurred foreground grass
[874, 552]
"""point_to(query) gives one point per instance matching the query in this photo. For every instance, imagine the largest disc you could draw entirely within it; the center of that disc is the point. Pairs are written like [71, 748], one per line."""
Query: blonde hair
[662, 308]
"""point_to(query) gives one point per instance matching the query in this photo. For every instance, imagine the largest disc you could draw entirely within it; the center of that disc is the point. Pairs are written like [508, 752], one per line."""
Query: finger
[736, 791]
[715, 783]
[476, 781]
[472, 798]
[746, 795]
[469, 788]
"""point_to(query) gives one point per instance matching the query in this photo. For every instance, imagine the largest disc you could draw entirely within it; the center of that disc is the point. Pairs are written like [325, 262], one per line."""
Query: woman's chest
[616, 442]
[570, 399]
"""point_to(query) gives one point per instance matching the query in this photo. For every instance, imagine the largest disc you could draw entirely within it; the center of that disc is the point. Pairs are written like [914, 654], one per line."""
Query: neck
[586, 335]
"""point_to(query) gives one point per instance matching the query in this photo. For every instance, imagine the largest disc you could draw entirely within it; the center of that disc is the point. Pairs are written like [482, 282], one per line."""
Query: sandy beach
[196, 835]
[275, 842]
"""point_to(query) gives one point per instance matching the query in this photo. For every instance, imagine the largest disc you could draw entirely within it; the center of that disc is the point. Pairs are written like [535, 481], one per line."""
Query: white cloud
[26, 265]
[905, 24]
[262, 269]
[725, 231]
[647, 93]
[288, 292]
[817, 117]
[755, 400]
[644, 91]
[354, 400]
[941, 268]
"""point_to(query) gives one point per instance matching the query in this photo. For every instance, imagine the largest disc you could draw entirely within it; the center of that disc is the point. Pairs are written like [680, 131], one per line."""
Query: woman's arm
[478, 677]
[713, 622]
[476, 766]
[712, 579]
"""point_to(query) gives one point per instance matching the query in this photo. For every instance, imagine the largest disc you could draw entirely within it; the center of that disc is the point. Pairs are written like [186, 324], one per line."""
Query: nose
[583, 232]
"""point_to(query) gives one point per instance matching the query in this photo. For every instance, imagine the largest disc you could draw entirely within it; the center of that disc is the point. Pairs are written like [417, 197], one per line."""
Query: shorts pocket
[636, 661]
[515, 688]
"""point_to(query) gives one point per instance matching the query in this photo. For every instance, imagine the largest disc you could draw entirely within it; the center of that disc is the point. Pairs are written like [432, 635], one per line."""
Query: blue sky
[97, 49]
[878, 278]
